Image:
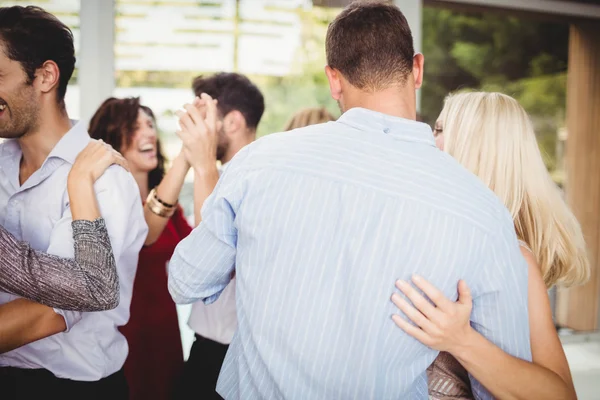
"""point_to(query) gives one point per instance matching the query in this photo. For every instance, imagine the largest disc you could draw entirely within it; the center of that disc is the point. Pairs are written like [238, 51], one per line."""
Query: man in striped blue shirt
[318, 224]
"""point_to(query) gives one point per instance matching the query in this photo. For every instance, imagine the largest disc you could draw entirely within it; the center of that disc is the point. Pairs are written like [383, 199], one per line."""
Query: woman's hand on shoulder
[94, 160]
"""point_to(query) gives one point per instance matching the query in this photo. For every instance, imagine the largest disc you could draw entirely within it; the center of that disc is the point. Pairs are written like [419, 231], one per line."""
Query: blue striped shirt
[318, 224]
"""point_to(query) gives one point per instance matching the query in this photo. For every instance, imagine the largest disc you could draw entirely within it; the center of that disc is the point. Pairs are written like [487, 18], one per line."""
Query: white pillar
[96, 55]
[413, 11]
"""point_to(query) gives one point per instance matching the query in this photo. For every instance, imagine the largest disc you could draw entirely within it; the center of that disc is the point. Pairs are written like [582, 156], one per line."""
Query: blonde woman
[309, 116]
[491, 135]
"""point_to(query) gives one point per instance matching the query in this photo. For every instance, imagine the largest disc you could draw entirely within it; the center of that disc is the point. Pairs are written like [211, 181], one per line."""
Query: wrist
[206, 169]
[77, 180]
[181, 160]
[462, 349]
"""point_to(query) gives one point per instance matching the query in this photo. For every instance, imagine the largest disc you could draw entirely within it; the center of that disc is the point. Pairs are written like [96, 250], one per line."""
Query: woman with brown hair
[155, 353]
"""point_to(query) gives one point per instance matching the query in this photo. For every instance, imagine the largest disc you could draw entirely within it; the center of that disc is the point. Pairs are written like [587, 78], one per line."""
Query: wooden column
[578, 308]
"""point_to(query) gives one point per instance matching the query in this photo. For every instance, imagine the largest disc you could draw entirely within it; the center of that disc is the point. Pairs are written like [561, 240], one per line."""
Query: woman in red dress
[155, 355]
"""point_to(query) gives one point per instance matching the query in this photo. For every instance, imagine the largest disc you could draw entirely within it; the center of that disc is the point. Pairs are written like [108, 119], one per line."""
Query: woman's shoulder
[524, 246]
[534, 267]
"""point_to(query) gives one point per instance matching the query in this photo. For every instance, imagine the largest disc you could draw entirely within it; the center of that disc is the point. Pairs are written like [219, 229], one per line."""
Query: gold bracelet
[158, 208]
[155, 195]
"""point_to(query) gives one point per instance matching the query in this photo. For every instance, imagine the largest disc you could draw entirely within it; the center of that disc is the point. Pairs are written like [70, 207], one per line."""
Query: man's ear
[47, 77]
[418, 64]
[234, 122]
[335, 82]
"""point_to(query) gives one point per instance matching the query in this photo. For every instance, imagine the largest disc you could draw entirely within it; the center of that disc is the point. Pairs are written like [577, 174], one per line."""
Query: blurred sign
[250, 36]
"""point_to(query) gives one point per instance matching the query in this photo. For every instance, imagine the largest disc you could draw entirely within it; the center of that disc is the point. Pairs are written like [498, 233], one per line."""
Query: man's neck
[37, 145]
[244, 139]
[397, 102]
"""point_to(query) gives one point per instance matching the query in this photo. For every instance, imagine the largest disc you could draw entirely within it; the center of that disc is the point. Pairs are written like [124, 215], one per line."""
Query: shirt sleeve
[121, 207]
[87, 283]
[203, 263]
[500, 308]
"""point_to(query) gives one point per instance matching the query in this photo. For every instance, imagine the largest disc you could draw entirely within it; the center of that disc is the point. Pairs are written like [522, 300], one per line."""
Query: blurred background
[545, 53]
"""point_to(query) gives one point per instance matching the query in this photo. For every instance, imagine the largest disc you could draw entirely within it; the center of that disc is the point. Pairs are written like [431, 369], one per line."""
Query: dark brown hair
[32, 36]
[371, 44]
[115, 122]
[234, 92]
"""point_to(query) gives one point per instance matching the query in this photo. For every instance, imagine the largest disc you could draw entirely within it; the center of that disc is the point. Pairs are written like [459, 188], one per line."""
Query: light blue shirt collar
[66, 150]
[400, 128]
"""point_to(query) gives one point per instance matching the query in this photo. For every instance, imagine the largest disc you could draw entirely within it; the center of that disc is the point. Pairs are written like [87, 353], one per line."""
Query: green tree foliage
[524, 58]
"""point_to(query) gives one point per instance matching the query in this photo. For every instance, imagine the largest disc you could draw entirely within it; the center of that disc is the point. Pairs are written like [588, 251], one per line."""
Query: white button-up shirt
[38, 212]
[216, 321]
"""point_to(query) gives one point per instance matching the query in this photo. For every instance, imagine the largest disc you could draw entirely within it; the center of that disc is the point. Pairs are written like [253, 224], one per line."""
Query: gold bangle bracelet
[155, 195]
[157, 208]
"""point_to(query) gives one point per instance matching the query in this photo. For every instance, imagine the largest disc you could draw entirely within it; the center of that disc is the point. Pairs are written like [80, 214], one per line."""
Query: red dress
[155, 357]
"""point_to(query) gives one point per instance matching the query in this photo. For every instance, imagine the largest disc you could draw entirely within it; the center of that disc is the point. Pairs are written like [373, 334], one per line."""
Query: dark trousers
[35, 384]
[201, 370]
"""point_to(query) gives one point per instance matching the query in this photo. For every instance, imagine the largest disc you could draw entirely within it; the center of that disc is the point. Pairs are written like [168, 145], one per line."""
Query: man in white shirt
[63, 354]
[240, 106]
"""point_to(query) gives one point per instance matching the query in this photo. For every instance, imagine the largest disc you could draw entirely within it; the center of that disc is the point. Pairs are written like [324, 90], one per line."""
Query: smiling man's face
[19, 104]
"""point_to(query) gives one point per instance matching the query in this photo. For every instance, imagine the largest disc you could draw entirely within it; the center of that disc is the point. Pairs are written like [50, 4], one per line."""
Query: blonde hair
[492, 136]
[309, 116]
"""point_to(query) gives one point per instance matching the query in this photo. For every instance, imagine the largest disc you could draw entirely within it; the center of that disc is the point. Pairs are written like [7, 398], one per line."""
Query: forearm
[82, 198]
[168, 191]
[87, 283]
[205, 180]
[201, 267]
[508, 377]
[24, 322]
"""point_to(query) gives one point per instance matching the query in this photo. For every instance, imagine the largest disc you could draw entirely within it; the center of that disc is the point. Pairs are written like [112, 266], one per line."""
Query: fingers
[105, 160]
[191, 120]
[198, 102]
[196, 116]
[417, 299]
[212, 114]
[412, 313]
[433, 293]
[104, 150]
[185, 137]
[464, 294]
[91, 147]
[200, 117]
[200, 105]
[185, 120]
[92, 151]
[412, 330]
[118, 159]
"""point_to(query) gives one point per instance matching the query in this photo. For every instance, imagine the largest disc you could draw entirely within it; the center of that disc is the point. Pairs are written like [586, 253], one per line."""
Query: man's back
[327, 218]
